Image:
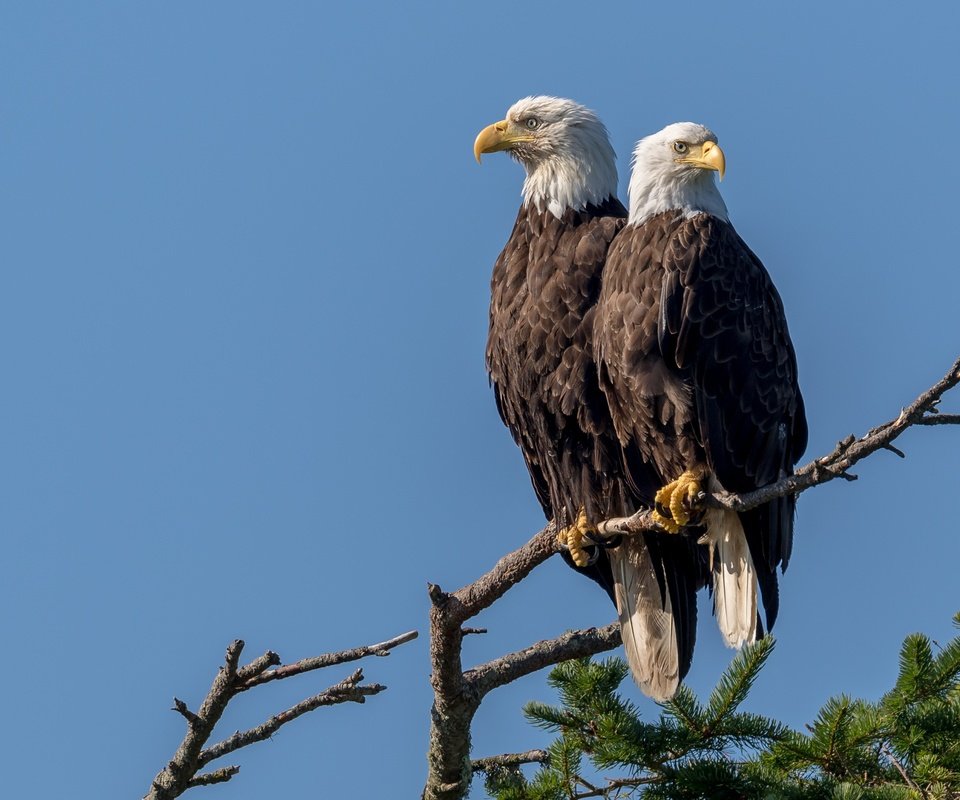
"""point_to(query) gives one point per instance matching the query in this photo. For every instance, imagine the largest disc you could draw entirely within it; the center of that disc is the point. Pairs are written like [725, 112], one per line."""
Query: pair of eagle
[640, 358]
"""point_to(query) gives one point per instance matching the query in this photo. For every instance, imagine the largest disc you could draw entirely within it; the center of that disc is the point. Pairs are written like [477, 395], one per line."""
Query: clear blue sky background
[246, 254]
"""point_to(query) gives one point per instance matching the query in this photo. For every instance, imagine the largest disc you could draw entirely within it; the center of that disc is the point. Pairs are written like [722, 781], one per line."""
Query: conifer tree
[906, 746]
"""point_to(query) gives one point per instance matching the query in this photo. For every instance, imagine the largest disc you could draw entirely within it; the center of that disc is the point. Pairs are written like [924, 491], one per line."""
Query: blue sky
[246, 259]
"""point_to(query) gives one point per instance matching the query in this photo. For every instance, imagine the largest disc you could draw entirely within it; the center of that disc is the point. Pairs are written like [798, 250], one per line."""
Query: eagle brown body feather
[540, 355]
[544, 290]
[697, 365]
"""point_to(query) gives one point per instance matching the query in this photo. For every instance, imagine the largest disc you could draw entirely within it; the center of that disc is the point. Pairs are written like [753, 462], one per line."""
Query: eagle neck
[691, 194]
[557, 184]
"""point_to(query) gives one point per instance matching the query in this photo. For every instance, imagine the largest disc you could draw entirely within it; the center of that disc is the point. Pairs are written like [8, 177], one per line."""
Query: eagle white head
[564, 148]
[673, 171]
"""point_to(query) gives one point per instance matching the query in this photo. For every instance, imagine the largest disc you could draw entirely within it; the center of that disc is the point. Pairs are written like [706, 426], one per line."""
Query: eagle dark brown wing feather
[697, 364]
[650, 404]
[723, 324]
[540, 354]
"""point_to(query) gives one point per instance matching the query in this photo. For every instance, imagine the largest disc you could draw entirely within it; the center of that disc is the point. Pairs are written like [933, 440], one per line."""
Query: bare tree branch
[174, 779]
[329, 660]
[621, 783]
[641, 521]
[348, 690]
[458, 694]
[510, 760]
[217, 776]
[507, 572]
[850, 450]
[939, 419]
[180, 773]
[573, 644]
[257, 667]
[836, 464]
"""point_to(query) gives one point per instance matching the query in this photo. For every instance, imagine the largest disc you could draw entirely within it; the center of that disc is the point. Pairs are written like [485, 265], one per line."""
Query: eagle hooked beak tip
[711, 157]
[492, 139]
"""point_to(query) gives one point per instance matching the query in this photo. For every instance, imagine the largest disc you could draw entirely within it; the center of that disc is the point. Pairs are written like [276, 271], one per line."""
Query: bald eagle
[699, 372]
[545, 286]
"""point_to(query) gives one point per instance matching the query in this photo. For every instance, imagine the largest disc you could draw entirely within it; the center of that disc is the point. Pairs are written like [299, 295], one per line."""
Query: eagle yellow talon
[572, 538]
[665, 522]
[680, 497]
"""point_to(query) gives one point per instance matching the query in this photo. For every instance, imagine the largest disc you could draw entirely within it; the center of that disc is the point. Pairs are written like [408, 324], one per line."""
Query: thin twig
[620, 783]
[348, 690]
[329, 660]
[851, 450]
[901, 769]
[180, 773]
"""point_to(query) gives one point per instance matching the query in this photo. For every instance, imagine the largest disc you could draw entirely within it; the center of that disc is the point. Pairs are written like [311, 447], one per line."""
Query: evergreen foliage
[906, 746]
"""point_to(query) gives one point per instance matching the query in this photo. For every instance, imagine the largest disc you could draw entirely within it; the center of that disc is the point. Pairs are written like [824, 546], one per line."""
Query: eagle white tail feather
[646, 621]
[734, 577]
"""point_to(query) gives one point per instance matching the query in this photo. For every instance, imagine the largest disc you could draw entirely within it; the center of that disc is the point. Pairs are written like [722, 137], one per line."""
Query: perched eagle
[545, 287]
[700, 375]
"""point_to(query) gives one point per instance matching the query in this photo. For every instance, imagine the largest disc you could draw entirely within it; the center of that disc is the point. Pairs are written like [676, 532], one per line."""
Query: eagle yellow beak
[497, 137]
[710, 156]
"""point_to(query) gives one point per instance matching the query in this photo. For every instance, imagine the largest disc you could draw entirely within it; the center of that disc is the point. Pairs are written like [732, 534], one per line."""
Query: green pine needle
[904, 747]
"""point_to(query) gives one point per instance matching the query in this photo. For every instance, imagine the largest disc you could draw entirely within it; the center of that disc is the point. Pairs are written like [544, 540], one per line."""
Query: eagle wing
[722, 326]
[540, 355]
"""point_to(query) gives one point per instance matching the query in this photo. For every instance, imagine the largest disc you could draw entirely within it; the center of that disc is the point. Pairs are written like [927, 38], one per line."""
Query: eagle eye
[533, 123]
[680, 147]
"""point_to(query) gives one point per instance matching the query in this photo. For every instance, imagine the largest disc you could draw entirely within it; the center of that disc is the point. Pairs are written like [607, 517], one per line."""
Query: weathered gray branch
[458, 694]
[180, 773]
[175, 778]
[851, 450]
[348, 690]
[507, 572]
[572, 644]
[939, 419]
[221, 775]
[329, 660]
[510, 760]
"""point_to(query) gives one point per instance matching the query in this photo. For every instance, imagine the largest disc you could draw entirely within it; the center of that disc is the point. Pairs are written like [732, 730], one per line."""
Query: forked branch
[183, 770]
[458, 693]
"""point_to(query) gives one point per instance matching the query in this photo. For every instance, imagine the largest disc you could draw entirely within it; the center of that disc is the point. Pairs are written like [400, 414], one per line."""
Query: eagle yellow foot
[680, 499]
[572, 538]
